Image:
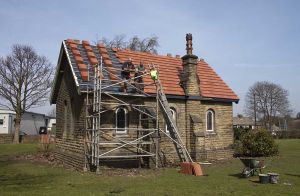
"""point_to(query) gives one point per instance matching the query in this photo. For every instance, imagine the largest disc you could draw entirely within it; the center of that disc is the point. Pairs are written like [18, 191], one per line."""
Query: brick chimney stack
[189, 79]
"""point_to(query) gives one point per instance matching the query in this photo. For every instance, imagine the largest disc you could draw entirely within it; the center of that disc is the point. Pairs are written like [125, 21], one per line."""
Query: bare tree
[266, 101]
[25, 81]
[134, 43]
[117, 42]
[149, 44]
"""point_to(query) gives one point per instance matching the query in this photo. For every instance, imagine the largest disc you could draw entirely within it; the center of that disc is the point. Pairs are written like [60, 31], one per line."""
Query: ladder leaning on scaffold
[181, 150]
[188, 166]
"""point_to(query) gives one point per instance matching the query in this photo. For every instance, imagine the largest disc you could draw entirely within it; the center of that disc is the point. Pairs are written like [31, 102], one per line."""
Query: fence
[287, 134]
[8, 138]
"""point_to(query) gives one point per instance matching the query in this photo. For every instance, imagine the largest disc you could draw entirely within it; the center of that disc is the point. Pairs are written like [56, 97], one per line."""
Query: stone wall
[30, 139]
[201, 143]
[168, 152]
[70, 152]
[6, 138]
[218, 143]
[191, 123]
[70, 122]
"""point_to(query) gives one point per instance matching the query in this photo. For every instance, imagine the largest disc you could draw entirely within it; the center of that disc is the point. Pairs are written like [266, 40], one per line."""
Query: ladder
[182, 152]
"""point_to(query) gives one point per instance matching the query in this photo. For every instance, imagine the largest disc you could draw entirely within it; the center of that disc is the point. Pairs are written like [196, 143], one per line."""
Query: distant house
[30, 124]
[6, 121]
[243, 122]
[294, 125]
[51, 123]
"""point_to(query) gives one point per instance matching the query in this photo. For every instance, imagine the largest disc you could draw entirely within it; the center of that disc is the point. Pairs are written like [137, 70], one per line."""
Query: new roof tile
[93, 61]
[78, 59]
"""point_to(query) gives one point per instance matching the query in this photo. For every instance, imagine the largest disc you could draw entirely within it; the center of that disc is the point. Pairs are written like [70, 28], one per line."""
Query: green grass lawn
[27, 178]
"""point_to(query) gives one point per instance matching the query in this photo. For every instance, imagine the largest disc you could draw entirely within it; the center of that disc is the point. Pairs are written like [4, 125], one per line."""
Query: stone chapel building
[200, 101]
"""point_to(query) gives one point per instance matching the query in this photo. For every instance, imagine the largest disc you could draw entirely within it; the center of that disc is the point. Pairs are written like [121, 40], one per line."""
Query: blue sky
[243, 40]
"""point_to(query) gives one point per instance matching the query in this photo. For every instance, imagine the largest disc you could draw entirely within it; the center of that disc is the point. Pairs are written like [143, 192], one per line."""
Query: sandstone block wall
[70, 123]
[190, 120]
[6, 138]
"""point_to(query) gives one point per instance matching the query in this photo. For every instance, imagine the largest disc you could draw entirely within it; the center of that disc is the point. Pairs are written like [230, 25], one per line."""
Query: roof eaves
[70, 63]
[63, 49]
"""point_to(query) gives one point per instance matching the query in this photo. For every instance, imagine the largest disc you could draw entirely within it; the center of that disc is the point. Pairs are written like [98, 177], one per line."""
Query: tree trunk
[17, 128]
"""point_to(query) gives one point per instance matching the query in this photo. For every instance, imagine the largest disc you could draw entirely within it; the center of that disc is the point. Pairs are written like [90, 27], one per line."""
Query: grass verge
[30, 178]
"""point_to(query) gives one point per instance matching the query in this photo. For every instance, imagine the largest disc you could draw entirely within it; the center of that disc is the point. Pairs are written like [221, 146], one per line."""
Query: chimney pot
[84, 42]
[77, 41]
[189, 44]
[177, 56]
[169, 55]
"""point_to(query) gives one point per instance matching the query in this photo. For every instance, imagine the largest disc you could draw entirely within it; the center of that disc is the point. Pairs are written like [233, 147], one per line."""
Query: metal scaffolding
[101, 142]
[104, 95]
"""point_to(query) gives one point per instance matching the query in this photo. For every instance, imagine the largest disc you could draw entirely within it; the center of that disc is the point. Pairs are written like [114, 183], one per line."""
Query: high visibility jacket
[153, 74]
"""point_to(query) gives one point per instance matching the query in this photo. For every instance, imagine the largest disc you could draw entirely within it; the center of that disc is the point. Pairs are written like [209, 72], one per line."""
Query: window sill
[121, 135]
[210, 133]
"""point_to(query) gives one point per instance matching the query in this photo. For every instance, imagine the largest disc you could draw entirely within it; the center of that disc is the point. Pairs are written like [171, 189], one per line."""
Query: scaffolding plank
[126, 156]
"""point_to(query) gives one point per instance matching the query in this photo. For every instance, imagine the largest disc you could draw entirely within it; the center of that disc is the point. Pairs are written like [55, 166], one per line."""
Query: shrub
[239, 132]
[256, 143]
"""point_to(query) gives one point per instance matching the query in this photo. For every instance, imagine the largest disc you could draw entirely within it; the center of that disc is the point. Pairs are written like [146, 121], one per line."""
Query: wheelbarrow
[252, 166]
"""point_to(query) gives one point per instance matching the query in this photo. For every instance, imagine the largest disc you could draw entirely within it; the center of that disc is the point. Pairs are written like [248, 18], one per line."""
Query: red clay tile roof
[170, 68]
[211, 84]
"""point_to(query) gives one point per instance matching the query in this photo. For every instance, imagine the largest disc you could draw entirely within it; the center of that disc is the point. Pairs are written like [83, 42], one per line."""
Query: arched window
[210, 120]
[173, 112]
[121, 120]
[65, 119]
[72, 121]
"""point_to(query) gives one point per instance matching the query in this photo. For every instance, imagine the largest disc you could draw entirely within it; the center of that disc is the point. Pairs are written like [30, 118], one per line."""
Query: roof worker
[127, 65]
[125, 73]
[153, 73]
[138, 76]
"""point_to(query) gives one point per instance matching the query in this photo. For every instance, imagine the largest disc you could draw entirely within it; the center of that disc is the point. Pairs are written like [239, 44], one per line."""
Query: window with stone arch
[121, 120]
[174, 116]
[210, 120]
[65, 127]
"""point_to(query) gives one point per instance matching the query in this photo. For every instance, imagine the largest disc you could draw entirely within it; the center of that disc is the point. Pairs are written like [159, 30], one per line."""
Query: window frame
[174, 116]
[210, 111]
[126, 121]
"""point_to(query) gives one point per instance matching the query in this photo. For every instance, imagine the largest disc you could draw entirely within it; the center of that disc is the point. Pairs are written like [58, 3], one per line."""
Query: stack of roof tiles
[82, 55]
